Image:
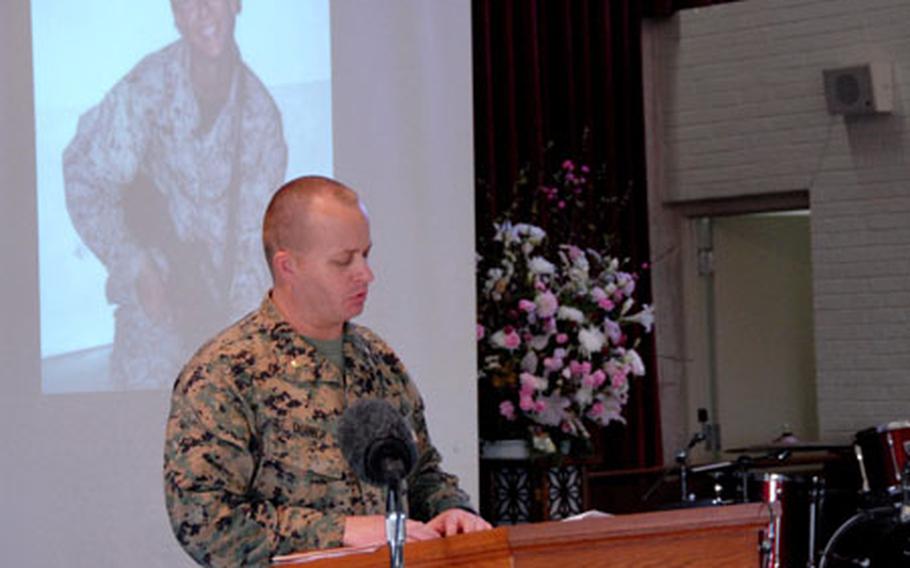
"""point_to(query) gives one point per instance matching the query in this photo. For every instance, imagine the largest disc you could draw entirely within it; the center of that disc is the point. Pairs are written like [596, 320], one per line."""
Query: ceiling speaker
[859, 89]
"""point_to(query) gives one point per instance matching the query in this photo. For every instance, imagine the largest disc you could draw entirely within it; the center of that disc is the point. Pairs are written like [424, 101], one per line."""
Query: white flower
[543, 443]
[626, 306]
[534, 234]
[591, 339]
[540, 265]
[635, 363]
[529, 362]
[580, 276]
[504, 232]
[614, 332]
[581, 262]
[645, 318]
[554, 409]
[584, 396]
[571, 314]
[626, 283]
[546, 304]
[539, 342]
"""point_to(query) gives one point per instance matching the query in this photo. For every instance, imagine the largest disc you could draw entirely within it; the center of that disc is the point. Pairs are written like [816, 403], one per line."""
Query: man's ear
[284, 264]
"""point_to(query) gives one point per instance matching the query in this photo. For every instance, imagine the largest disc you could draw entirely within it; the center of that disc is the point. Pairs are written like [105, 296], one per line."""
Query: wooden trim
[742, 204]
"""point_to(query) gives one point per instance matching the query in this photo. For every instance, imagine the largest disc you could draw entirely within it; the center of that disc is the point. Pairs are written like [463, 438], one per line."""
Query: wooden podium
[722, 537]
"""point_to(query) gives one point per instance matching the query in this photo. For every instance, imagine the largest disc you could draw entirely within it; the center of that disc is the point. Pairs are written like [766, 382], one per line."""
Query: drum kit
[861, 519]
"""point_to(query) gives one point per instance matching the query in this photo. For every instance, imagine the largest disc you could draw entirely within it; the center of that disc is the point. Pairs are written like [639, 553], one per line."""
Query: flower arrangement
[558, 329]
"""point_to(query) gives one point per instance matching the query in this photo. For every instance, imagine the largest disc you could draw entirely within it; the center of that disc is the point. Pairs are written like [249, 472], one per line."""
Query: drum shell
[789, 532]
[872, 538]
[883, 458]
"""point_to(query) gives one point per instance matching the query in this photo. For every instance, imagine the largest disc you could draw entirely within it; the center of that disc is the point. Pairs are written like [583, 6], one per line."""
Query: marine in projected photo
[165, 179]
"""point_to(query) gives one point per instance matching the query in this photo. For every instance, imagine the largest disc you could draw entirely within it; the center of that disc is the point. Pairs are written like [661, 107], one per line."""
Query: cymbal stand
[816, 497]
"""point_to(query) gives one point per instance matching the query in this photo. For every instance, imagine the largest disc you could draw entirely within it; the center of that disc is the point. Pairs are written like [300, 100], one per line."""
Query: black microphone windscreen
[376, 441]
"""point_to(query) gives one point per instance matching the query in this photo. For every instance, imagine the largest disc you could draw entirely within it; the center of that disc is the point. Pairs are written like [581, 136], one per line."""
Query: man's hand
[370, 530]
[457, 521]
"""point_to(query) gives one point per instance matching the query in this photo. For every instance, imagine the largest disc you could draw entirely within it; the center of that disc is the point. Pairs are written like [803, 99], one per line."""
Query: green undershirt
[331, 349]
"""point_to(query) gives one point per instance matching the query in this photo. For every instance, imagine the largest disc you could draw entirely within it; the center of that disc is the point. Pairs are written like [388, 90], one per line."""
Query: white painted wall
[736, 106]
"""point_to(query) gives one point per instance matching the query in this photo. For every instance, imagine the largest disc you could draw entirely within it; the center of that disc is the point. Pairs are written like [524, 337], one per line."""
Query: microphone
[376, 442]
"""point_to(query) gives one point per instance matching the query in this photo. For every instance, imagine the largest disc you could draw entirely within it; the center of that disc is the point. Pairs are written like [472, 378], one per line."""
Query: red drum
[791, 535]
[881, 453]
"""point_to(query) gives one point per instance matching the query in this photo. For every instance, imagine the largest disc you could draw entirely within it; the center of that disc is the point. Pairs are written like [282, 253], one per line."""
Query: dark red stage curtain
[556, 79]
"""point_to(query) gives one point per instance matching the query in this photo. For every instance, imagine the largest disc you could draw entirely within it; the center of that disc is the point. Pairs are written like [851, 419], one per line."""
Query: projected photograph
[162, 129]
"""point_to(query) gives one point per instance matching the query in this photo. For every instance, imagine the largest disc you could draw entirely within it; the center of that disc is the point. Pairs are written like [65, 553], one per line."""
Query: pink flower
[574, 252]
[595, 379]
[561, 338]
[574, 367]
[618, 380]
[507, 409]
[552, 363]
[480, 332]
[526, 402]
[511, 340]
[568, 165]
[526, 305]
[549, 325]
[606, 304]
[528, 383]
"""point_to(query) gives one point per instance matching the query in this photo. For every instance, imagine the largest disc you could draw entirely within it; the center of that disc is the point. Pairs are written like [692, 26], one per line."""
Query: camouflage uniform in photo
[251, 466]
[146, 181]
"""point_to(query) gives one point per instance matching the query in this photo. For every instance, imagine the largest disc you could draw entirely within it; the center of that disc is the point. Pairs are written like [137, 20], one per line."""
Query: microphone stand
[395, 524]
[682, 458]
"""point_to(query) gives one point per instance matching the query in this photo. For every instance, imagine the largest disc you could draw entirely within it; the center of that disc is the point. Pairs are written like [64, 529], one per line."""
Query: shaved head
[289, 214]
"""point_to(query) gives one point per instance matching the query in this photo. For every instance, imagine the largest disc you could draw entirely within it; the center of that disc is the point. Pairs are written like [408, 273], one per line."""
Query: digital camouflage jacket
[251, 465]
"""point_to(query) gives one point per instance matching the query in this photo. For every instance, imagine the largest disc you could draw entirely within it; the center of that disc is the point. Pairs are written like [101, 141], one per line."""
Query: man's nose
[367, 273]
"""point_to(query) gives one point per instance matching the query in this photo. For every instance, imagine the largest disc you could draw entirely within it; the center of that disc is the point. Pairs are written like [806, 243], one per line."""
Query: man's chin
[356, 308]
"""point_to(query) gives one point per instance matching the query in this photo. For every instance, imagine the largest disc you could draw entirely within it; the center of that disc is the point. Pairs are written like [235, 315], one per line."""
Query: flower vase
[517, 449]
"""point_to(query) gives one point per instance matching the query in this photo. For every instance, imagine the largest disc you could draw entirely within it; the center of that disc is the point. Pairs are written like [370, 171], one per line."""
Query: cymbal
[792, 446]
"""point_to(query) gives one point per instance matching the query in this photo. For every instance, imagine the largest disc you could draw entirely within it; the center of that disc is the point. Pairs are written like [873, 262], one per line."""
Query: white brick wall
[743, 111]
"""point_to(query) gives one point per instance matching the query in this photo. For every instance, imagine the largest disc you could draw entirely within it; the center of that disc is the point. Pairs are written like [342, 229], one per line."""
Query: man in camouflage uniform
[252, 468]
[165, 181]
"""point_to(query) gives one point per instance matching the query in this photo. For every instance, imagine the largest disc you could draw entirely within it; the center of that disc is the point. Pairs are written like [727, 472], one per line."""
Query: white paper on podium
[314, 555]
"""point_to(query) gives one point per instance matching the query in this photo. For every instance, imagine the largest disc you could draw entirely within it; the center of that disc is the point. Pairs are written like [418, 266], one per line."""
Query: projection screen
[377, 94]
